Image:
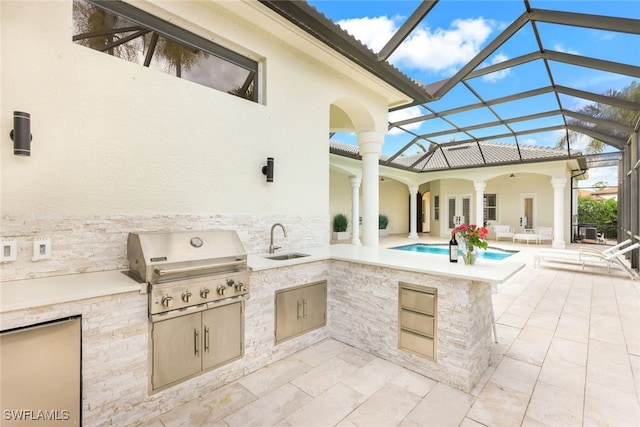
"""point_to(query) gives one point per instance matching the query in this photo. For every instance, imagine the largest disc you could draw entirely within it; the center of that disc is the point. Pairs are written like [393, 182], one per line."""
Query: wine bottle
[453, 248]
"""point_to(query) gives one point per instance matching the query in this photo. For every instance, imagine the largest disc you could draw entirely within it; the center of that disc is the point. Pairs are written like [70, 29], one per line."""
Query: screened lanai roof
[512, 94]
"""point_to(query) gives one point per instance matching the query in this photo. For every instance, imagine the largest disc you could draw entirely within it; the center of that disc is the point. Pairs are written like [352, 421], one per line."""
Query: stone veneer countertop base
[30, 293]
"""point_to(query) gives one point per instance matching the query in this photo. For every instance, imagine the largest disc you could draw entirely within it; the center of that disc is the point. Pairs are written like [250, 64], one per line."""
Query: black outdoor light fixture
[21, 133]
[268, 170]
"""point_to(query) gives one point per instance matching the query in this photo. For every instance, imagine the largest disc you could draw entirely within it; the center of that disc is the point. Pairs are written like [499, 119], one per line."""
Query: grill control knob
[221, 289]
[240, 287]
[204, 293]
[167, 301]
[186, 296]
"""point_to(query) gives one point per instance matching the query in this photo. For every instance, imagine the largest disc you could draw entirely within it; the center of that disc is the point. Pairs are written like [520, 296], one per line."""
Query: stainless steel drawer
[419, 301]
[418, 322]
[416, 343]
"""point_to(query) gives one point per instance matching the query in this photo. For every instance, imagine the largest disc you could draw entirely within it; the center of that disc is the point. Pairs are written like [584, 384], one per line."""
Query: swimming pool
[443, 249]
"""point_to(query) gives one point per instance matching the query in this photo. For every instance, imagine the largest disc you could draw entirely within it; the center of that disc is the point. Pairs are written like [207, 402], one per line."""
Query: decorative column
[480, 186]
[370, 145]
[413, 221]
[355, 209]
[558, 212]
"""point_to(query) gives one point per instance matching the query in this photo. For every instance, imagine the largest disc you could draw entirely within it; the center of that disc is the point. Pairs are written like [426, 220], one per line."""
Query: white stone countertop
[259, 262]
[484, 270]
[30, 293]
[490, 271]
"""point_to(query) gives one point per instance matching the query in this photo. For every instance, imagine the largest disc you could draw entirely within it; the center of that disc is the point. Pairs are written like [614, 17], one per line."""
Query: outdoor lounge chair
[588, 257]
[609, 250]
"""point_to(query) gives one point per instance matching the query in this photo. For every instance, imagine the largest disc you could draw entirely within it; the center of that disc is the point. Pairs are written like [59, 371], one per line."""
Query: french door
[527, 211]
[459, 210]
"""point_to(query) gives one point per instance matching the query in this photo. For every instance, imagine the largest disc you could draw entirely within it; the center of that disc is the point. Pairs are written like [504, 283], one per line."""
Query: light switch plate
[8, 250]
[41, 248]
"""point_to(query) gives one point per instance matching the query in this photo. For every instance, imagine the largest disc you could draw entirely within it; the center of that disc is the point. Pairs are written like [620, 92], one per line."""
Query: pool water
[440, 249]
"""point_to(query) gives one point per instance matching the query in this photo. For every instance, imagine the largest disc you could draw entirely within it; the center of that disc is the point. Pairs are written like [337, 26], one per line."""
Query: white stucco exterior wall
[114, 137]
[133, 148]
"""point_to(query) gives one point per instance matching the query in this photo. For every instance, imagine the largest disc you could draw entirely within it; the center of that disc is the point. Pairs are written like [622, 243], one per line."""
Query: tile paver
[568, 355]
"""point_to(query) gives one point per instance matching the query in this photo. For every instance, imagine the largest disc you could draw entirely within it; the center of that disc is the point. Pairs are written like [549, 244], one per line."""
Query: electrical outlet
[41, 248]
[8, 250]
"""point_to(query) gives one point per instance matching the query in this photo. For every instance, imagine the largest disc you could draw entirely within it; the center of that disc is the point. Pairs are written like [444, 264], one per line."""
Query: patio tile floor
[568, 354]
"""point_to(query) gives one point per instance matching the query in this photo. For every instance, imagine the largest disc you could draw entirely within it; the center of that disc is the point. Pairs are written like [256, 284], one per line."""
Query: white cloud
[528, 141]
[404, 114]
[608, 175]
[374, 32]
[498, 75]
[440, 50]
[559, 48]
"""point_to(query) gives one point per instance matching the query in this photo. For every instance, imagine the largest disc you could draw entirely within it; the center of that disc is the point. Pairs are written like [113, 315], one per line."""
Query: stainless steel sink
[285, 256]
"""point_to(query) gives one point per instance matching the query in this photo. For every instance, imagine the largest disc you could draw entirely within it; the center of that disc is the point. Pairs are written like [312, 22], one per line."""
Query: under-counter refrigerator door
[40, 374]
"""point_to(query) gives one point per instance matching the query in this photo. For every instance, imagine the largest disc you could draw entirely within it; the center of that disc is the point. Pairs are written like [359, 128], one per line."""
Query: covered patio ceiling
[460, 122]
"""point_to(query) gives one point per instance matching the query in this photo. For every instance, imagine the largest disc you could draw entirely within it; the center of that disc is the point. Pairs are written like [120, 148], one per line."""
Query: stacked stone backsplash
[81, 244]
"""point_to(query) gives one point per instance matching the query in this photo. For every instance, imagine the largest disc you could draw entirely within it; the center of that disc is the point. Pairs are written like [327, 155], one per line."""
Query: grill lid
[160, 256]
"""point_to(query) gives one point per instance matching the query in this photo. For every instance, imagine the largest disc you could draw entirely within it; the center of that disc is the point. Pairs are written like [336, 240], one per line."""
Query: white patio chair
[544, 233]
[505, 231]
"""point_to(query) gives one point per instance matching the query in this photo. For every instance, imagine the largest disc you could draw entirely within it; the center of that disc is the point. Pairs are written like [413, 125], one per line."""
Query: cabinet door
[288, 314]
[314, 306]
[177, 349]
[223, 338]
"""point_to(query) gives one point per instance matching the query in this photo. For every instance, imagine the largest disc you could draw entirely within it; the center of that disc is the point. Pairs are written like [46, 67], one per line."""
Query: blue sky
[455, 31]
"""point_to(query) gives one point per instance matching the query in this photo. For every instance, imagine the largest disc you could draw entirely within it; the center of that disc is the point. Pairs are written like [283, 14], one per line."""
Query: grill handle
[162, 272]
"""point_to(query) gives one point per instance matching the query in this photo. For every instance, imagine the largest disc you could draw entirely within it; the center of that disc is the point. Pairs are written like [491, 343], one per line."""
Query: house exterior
[118, 146]
[606, 194]
[501, 194]
[110, 135]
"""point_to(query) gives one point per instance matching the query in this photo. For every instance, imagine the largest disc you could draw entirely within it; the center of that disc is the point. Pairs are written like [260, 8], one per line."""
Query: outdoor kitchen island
[362, 310]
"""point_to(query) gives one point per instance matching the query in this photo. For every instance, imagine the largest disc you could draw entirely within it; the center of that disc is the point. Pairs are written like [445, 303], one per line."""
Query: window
[120, 30]
[490, 205]
[436, 208]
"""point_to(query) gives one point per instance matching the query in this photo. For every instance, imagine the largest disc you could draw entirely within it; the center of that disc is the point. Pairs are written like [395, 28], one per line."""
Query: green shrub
[602, 213]
[340, 223]
[383, 221]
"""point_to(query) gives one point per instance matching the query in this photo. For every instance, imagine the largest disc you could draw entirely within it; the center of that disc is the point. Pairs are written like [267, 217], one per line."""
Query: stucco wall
[340, 190]
[510, 191]
[114, 137]
[394, 202]
[115, 140]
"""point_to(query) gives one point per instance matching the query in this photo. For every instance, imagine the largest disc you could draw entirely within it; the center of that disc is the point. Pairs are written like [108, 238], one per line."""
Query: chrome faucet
[273, 248]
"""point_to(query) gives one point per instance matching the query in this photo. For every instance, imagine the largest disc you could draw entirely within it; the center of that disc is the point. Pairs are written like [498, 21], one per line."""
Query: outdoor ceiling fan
[513, 176]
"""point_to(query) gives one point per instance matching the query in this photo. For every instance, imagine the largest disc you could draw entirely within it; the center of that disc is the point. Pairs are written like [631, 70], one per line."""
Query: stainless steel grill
[188, 269]
[197, 282]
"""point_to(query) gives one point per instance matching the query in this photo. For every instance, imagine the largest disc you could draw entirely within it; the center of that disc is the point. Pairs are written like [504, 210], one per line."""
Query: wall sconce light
[268, 170]
[21, 133]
